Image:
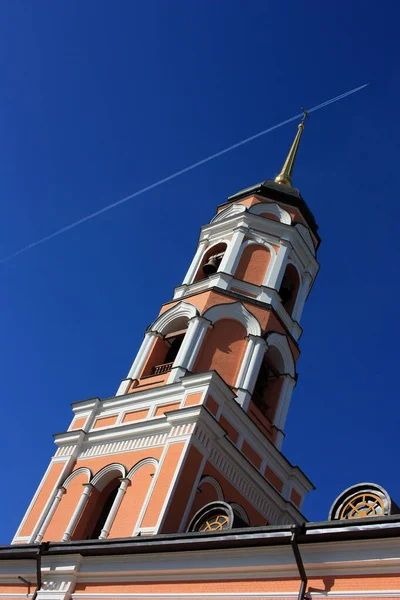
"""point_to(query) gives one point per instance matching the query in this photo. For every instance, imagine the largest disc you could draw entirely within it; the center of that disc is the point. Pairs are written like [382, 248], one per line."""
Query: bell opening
[211, 266]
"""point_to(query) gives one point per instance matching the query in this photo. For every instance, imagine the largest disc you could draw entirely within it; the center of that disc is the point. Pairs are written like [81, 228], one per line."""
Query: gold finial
[285, 176]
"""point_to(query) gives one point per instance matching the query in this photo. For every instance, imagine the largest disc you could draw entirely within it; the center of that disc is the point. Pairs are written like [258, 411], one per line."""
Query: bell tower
[192, 439]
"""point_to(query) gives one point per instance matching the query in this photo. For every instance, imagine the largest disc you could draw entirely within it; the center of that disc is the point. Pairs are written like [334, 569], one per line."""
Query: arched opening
[96, 511]
[289, 288]
[267, 389]
[253, 264]
[105, 503]
[210, 262]
[223, 349]
[165, 349]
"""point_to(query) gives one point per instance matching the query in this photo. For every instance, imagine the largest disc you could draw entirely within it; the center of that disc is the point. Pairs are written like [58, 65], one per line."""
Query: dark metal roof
[287, 195]
[325, 531]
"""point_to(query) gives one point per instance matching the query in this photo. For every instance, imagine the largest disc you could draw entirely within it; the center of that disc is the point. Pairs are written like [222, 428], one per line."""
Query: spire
[285, 176]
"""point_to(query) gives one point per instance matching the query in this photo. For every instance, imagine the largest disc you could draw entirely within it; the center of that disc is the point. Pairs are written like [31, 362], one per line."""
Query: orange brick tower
[192, 439]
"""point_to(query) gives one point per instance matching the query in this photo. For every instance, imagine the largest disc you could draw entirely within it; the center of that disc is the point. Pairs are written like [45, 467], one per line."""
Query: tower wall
[201, 415]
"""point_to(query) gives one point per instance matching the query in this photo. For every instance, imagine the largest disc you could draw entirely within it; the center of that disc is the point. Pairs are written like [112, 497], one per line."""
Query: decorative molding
[306, 235]
[237, 312]
[280, 342]
[105, 472]
[140, 464]
[229, 212]
[237, 478]
[124, 446]
[215, 485]
[80, 471]
[272, 209]
[182, 309]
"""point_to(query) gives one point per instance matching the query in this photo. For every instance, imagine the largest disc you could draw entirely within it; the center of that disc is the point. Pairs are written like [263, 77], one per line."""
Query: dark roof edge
[325, 531]
[274, 191]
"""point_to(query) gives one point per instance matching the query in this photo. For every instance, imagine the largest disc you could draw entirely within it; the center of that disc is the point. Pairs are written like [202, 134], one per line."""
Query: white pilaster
[250, 367]
[232, 253]
[195, 263]
[278, 268]
[87, 490]
[184, 361]
[143, 353]
[283, 407]
[113, 511]
[302, 296]
[49, 515]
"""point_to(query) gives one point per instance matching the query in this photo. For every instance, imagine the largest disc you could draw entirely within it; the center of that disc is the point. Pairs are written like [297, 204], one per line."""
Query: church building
[177, 487]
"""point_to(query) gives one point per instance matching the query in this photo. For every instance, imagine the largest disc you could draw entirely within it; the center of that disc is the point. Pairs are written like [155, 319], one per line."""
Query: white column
[195, 263]
[87, 490]
[302, 296]
[184, 361]
[283, 407]
[113, 511]
[232, 253]
[49, 515]
[250, 367]
[143, 353]
[278, 268]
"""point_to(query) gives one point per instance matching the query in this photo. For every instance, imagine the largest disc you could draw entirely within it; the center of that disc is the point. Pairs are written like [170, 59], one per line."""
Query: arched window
[210, 262]
[289, 288]
[102, 510]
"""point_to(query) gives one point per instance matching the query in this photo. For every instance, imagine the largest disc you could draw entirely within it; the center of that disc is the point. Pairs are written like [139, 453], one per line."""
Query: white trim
[172, 486]
[87, 490]
[185, 359]
[196, 262]
[215, 485]
[229, 212]
[251, 364]
[230, 258]
[306, 235]
[80, 471]
[61, 491]
[113, 467]
[272, 209]
[140, 464]
[237, 312]
[254, 240]
[140, 359]
[114, 508]
[182, 309]
[280, 342]
[149, 494]
[193, 492]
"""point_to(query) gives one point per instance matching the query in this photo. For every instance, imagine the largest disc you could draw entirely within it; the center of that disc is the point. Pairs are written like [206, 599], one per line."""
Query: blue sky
[99, 99]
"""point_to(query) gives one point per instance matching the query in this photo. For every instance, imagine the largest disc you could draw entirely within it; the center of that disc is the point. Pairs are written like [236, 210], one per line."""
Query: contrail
[178, 173]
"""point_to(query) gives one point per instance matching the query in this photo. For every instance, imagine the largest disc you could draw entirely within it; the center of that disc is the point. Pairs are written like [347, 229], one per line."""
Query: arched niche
[290, 287]
[223, 350]
[253, 263]
[277, 363]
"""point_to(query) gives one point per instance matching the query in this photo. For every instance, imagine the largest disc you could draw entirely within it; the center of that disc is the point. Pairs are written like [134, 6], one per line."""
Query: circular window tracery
[363, 500]
[362, 505]
[216, 522]
[218, 516]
